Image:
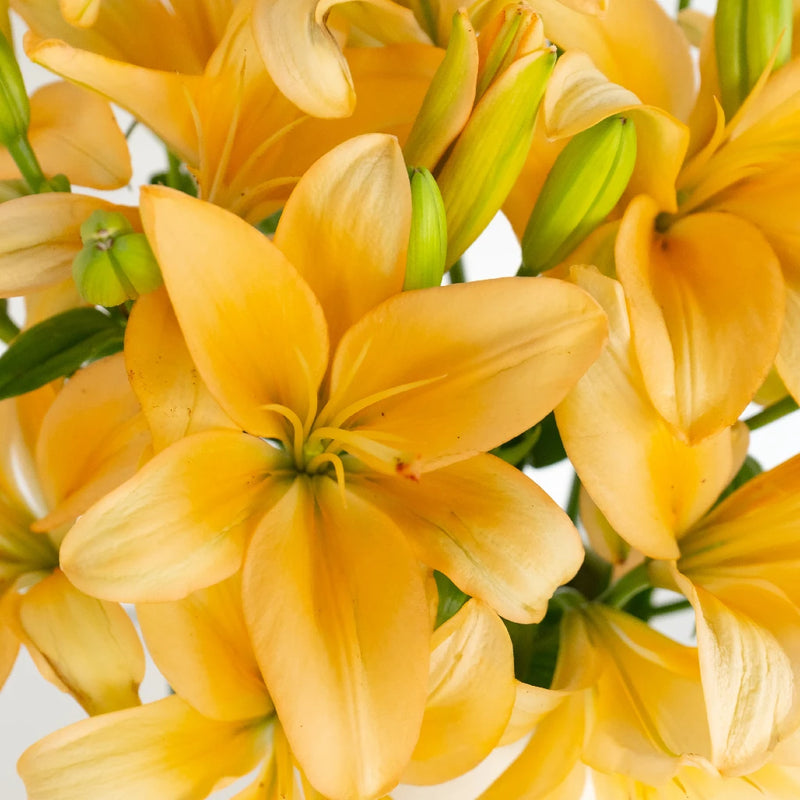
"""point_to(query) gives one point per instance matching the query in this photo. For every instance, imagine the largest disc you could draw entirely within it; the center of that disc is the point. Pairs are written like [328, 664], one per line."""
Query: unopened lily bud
[15, 110]
[427, 244]
[489, 154]
[585, 183]
[515, 32]
[747, 34]
[116, 263]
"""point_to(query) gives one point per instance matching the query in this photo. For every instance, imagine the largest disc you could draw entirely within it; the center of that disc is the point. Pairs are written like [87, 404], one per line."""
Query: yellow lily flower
[224, 116]
[66, 450]
[381, 440]
[668, 488]
[221, 723]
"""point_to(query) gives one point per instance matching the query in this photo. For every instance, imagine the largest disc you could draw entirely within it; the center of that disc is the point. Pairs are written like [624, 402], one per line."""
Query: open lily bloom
[222, 114]
[669, 487]
[221, 724]
[70, 453]
[351, 467]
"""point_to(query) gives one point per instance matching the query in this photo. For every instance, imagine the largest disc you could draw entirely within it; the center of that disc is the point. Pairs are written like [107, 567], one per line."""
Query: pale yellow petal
[202, 648]
[346, 225]
[648, 709]
[336, 607]
[173, 396]
[74, 132]
[412, 374]
[91, 645]
[179, 524]
[161, 100]
[40, 236]
[748, 640]
[649, 485]
[471, 688]
[706, 301]
[531, 705]
[82, 13]
[92, 438]
[488, 527]
[549, 768]
[255, 330]
[752, 534]
[160, 750]
[303, 57]
[661, 74]
[9, 641]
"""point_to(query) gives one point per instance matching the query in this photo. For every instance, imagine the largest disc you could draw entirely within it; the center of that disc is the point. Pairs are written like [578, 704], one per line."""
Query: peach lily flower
[656, 491]
[244, 141]
[378, 463]
[67, 449]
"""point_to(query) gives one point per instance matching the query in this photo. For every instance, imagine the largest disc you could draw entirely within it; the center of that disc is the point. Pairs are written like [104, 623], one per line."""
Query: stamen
[387, 459]
[312, 393]
[230, 136]
[338, 468]
[360, 405]
[297, 428]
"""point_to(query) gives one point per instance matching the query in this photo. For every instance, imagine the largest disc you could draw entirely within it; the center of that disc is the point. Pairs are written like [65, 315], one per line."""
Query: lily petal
[40, 237]
[471, 686]
[748, 642]
[662, 75]
[161, 100]
[706, 300]
[172, 394]
[336, 608]
[488, 527]
[201, 646]
[91, 645]
[346, 225]
[305, 60]
[178, 525]
[459, 377]
[253, 327]
[92, 438]
[162, 749]
[649, 485]
[73, 131]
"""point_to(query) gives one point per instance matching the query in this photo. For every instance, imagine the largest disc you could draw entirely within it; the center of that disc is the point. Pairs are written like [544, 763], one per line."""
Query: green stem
[8, 330]
[27, 163]
[131, 128]
[457, 274]
[684, 4]
[627, 587]
[572, 502]
[174, 177]
[771, 413]
[668, 608]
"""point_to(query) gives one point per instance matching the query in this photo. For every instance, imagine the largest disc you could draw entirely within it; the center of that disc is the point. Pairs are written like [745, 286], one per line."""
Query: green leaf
[269, 224]
[548, 448]
[56, 347]
[451, 598]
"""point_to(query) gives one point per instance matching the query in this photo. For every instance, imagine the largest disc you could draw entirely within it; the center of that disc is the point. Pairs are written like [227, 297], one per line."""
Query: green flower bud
[15, 110]
[747, 34]
[427, 244]
[116, 263]
[585, 183]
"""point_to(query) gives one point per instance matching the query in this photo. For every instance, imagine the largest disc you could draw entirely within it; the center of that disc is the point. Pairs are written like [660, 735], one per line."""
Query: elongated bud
[116, 263]
[512, 34]
[449, 100]
[427, 244]
[491, 150]
[747, 34]
[15, 110]
[585, 183]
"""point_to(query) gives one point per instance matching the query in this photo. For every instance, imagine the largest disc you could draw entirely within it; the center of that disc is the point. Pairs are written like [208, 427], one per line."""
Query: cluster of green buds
[585, 183]
[475, 126]
[15, 119]
[116, 263]
[749, 35]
